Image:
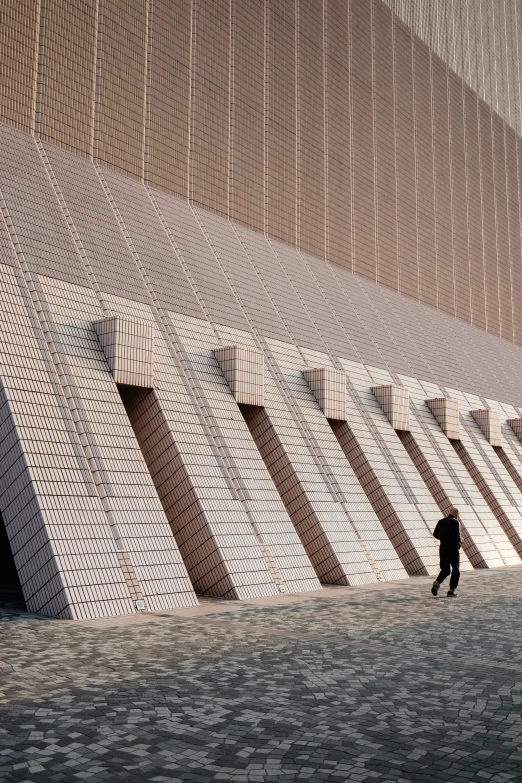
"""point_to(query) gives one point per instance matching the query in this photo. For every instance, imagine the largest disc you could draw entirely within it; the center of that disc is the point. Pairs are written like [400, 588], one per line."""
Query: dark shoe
[435, 588]
[452, 594]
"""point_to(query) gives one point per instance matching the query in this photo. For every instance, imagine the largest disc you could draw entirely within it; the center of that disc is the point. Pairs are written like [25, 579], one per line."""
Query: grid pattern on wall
[229, 478]
[395, 402]
[489, 422]
[289, 295]
[244, 369]
[446, 412]
[116, 463]
[479, 40]
[382, 136]
[128, 345]
[449, 480]
[488, 470]
[329, 390]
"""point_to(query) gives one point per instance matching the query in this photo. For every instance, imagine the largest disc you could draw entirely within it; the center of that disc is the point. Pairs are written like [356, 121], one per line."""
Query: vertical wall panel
[479, 40]
[515, 227]
[502, 224]
[168, 96]
[445, 280]
[363, 171]
[338, 135]
[210, 105]
[514, 31]
[310, 124]
[476, 250]
[458, 193]
[385, 169]
[405, 142]
[519, 171]
[247, 132]
[66, 73]
[491, 60]
[424, 172]
[280, 120]
[120, 85]
[18, 58]
[488, 219]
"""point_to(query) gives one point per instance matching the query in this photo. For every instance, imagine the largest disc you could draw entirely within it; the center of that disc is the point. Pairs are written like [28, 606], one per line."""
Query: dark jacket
[448, 533]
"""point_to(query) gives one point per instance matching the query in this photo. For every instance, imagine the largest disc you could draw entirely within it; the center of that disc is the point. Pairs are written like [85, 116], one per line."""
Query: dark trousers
[449, 563]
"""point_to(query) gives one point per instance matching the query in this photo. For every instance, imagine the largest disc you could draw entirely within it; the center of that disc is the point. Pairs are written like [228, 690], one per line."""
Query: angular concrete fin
[128, 344]
[516, 426]
[329, 388]
[446, 411]
[244, 369]
[489, 422]
[395, 402]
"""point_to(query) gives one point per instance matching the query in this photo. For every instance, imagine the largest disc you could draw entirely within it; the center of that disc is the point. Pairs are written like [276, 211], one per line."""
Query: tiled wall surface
[448, 480]
[181, 481]
[128, 345]
[479, 40]
[329, 390]
[61, 540]
[244, 370]
[487, 469]
[389, 477]
[381, 135]
[120, 473]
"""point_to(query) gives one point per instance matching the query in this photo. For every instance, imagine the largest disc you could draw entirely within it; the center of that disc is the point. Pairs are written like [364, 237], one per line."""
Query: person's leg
[445, 566]
[444, 572]
[455, 570]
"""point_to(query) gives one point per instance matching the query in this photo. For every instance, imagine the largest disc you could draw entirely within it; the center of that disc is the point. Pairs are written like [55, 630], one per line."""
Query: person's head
[454, 512]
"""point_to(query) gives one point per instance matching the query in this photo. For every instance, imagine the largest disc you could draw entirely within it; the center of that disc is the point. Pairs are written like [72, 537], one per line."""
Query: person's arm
[459, 532]
[436, 532]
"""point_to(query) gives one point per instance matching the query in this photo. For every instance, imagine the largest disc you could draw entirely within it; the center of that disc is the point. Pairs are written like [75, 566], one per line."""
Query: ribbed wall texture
[479, 40]
[382, 136]
[113, 496]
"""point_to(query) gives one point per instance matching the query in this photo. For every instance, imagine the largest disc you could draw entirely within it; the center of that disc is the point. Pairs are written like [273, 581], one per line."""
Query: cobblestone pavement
[385, 684]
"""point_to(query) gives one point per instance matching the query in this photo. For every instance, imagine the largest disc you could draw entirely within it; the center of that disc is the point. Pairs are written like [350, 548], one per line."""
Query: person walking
[449, 534]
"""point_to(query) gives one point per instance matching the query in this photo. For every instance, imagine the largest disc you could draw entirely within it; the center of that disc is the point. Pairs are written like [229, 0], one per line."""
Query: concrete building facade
[261, 277]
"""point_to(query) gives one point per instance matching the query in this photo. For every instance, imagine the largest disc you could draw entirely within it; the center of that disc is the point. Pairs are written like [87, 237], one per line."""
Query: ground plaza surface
[381, 683]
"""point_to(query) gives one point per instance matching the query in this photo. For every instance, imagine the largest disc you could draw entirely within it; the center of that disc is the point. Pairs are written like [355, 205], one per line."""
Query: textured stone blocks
[395, 402]
[329, 388]
[489, 422]
[244, 369]
[128, 344]
[446, 411]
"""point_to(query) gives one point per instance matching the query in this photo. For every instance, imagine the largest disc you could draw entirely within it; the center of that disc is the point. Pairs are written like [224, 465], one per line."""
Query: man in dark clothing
[449, 535]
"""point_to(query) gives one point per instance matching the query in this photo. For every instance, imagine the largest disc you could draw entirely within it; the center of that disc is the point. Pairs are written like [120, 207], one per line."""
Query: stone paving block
[315, 687]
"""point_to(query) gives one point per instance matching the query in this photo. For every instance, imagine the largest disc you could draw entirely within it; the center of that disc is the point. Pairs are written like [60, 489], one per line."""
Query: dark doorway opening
[11, 596]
